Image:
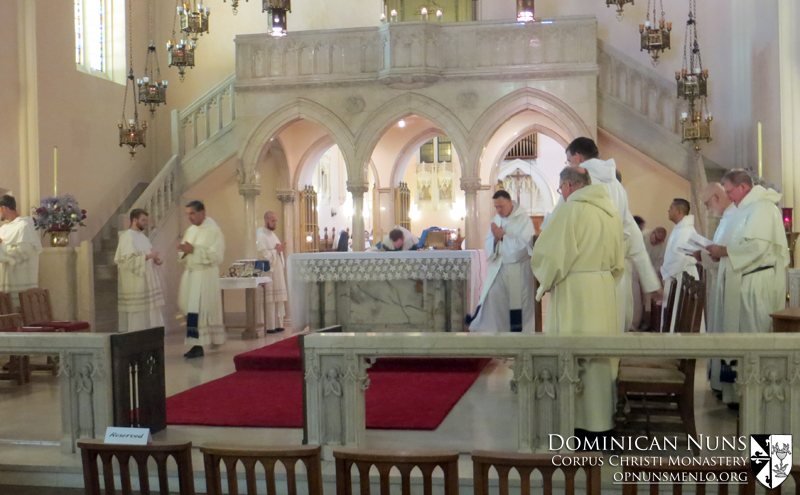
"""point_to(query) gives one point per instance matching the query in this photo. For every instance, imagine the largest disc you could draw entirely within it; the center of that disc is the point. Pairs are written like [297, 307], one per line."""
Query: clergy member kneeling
[200, 298]
[580, 257]
[19, 251]
[140, 295]
[399, 239]
[506, 302]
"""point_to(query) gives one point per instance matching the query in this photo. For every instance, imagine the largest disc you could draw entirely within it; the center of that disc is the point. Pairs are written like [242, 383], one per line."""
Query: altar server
[753, 265]
[676, 259]
[583, 152]
[270, 249]
[19, 251]
[399, 239]
[140, 298]
[506, 302]
[580, 258]
[200, 298]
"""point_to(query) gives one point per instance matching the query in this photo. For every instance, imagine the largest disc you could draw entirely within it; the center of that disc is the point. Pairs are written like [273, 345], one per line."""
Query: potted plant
[59, 216]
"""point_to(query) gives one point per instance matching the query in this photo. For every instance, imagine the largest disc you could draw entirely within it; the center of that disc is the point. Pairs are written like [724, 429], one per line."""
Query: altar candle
[760, 153]
[55, 171]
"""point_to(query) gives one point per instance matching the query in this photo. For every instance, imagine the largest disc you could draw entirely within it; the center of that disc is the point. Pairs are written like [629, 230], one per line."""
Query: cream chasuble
[506, 302]
[199, 296]
[753, 275]
[19, 257]
[276, 293]
[580, 258]
[140, 295]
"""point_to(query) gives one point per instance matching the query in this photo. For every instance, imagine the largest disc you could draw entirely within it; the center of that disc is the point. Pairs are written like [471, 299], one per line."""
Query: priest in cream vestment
[752, 273]
[580, 258]
[19, 251]
[270, 249]
[199, 297]
[140, 299]
[506, 302]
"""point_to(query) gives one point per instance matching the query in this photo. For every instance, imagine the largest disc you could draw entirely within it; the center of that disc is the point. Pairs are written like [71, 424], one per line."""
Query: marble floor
[485, 418]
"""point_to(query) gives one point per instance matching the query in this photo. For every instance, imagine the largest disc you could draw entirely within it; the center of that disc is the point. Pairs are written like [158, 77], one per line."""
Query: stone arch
[297, 109]
[402, 106]
[567, 124]
[498, 158]
[539, 179]
[409, 149]
[305, 168]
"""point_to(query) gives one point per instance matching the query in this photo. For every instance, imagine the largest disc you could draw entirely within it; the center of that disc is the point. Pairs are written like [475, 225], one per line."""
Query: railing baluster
[207, 107]
[232, 98]
[219, 112]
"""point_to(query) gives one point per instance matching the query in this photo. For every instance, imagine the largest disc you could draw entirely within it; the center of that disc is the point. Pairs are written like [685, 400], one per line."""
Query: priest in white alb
[506, 303]
[721, 206]
[583, 152]
[270, 248]
[753, 265]
[580, 258]
[19, 251]
[677, 255]
[200, 298]
[140, 299]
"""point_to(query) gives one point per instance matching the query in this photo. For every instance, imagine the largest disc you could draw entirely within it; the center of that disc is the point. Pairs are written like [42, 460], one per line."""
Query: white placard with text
[127, 436]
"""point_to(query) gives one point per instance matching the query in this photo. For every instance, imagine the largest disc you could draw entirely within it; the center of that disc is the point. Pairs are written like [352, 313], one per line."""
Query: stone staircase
[105, 271]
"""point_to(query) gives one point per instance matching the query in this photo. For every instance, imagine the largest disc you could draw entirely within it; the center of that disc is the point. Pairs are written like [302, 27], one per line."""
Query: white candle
[55, 171]
[684, 115]
[760, 153]
[646, 23]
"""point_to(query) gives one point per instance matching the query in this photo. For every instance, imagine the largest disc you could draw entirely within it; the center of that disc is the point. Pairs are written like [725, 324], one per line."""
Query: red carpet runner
[266, 392]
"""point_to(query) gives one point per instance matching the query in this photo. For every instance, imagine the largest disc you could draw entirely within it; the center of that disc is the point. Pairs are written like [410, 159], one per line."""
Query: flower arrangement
[61, 214]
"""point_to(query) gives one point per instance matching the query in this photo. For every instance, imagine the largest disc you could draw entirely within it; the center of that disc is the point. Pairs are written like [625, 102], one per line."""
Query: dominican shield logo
[771, 458]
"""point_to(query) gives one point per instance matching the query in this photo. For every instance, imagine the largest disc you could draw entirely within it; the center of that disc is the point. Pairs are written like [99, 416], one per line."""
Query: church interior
[347, 120]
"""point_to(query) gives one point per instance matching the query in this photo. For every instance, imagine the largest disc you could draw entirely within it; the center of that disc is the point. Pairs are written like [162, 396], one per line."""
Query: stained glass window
[78, 31]
[95, 33]
[93, 26]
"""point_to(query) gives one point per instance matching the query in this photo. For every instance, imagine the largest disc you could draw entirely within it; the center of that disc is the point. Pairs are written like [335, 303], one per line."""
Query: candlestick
[55, 171]
[760, 153]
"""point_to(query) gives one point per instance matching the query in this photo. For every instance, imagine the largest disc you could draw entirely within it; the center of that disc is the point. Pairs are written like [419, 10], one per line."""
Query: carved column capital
[470, 184]
[286, 196]
[249, 191]
[357, 187]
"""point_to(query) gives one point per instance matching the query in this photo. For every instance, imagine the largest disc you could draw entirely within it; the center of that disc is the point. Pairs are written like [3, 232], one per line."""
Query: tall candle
[55, 171]
[760, 153]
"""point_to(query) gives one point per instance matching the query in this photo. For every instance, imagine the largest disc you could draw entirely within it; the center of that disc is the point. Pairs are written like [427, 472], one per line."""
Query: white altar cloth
[306, 269]
[226, 283]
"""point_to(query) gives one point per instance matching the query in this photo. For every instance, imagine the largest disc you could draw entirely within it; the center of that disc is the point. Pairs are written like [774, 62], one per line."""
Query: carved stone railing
[84, 379]
[161, 197]
[418, 52]
[638, 87]
[768, 376]
[205, 120]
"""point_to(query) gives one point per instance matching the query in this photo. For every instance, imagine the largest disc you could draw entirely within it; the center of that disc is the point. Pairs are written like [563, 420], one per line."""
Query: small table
[250, 286]
[786, 320]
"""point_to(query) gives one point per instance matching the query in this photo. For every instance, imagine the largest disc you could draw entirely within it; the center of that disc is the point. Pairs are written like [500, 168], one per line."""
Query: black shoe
[733, 406]
[194, 352]
[271, 331]
[279, 330]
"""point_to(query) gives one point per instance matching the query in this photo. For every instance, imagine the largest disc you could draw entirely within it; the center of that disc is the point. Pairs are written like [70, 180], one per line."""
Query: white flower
[74, 215]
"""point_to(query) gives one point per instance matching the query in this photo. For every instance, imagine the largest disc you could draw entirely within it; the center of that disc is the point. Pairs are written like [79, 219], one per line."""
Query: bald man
[270, 249]
[721, 206]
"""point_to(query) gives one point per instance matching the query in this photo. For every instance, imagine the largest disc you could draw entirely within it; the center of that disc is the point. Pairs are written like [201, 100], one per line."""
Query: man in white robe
[580, 258]
[583, 152]
[399, 239]
[270, 248]
[140, 299]
[506, 303]
[199, 297]
[719, 204]
[752, 272]
[676, 259]
[19, 251]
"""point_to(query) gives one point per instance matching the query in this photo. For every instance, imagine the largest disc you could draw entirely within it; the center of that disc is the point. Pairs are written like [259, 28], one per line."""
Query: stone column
[287, 197]
[789, 37]
[471, 186]
[28, 110]
[249, 192]
[357, 189]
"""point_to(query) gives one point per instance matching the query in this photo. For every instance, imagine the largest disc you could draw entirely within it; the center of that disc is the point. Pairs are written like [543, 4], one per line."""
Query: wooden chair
[18, 367]
[672, 388]
[37, 311]
[669, 305]
[795, 474]
[213, 455]
[160, 452]
[525, 464]
[405, 462]
[6, 308]
[631, 473]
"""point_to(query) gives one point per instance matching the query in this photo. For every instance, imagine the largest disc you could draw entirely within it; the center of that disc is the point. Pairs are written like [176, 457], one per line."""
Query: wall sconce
[309, 238]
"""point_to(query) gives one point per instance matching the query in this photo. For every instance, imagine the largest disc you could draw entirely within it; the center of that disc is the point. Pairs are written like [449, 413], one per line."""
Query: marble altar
[414, 291]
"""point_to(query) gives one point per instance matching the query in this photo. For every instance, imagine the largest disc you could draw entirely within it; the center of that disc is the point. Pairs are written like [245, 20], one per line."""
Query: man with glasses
[753, 265]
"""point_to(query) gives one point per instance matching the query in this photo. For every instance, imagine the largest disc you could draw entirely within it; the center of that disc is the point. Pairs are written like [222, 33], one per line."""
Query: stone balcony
[416, 54]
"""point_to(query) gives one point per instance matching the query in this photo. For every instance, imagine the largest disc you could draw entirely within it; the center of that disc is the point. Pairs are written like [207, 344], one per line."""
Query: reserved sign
[127, 436]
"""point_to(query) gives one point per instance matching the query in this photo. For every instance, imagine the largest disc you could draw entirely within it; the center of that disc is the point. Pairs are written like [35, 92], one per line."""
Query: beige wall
[9, 99]
[650, 186]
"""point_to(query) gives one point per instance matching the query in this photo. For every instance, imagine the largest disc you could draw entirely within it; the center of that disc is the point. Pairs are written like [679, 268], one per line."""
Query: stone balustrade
[206, 119]
[84, 379]
[161, 196]
[418, 53]
[768, 375]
